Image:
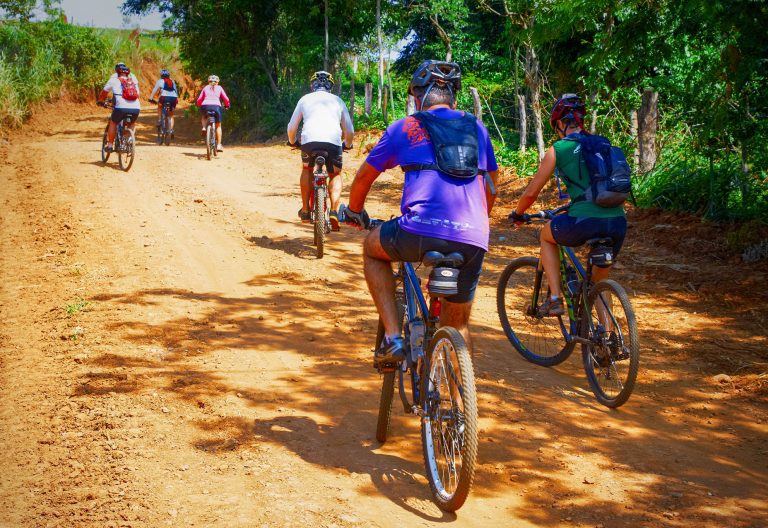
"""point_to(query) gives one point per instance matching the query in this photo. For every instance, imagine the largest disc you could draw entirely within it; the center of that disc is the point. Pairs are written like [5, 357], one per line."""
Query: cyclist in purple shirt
[442, 210]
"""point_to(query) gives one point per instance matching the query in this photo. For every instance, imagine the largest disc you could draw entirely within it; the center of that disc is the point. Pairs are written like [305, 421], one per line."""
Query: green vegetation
[76, 306]
[39, 60]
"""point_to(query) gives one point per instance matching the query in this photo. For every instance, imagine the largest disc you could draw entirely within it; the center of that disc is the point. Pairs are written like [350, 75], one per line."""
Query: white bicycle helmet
[213, 78]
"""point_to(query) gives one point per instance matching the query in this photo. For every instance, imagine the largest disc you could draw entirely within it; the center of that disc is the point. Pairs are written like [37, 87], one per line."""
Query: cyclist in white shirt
[325, 119]
[168, 94]
[125, 92]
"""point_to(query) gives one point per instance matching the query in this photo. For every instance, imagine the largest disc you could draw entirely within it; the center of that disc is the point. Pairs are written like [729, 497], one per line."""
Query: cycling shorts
[119, 113]
[573, 231]
[216, 108]
[402, 246]
[171, 100]
[334, 153]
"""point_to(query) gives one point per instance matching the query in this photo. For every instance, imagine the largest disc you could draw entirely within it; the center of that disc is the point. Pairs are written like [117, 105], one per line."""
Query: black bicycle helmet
[165, 74]
[120, 67]
[433, 72]
[321, 79]
[568, 106]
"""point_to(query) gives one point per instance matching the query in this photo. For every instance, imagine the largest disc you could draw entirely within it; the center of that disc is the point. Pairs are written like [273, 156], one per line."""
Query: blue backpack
[610, 178]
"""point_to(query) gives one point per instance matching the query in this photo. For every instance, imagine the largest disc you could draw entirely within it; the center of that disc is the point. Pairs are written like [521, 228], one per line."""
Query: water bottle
[572, 281]
[416, 333]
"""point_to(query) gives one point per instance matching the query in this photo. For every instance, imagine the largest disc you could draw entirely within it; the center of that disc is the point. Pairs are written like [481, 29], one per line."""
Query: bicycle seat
[439, 260]
[211, 112]
[594, 242]
[318, 153]
[128, 119]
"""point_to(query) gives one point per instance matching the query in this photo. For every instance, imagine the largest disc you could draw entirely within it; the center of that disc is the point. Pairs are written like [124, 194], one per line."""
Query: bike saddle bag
[601, 256]
[443, 281]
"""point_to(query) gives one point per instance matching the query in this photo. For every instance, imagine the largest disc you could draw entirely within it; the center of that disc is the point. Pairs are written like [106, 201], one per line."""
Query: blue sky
[106, 13]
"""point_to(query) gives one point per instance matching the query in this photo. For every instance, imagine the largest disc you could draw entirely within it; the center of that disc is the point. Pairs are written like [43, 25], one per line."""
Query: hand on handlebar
[153, 101]
[519, 219]
[293, 145]
[359, 220]
[344, 147]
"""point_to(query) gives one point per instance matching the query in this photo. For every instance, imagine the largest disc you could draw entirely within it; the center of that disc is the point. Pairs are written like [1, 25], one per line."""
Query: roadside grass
[79, 305]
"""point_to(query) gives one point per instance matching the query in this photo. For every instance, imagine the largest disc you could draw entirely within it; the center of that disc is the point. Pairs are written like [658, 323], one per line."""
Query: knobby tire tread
[320, 221]
[501, 307]
[634, 350]
[469, 397]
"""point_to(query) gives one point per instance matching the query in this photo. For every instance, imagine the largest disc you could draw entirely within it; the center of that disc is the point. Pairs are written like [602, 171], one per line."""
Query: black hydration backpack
[455, 143]
[610, 180]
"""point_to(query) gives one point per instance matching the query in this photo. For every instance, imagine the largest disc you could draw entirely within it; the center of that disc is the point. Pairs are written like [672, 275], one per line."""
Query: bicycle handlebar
[543, 215]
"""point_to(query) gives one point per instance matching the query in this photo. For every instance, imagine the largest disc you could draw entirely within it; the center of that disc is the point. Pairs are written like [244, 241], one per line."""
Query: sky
[106, 13]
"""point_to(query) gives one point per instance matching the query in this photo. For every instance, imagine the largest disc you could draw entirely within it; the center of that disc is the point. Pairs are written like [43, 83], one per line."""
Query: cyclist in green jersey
[585, 219]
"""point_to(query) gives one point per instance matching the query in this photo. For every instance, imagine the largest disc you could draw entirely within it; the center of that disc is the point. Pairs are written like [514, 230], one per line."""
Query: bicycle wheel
[210, 141]
[449, 424]
[538, 338]
[166, 129]
[612, 360]
[160, 131]
[104, 152]
[320, 220]
[388, 377]
[127, 149]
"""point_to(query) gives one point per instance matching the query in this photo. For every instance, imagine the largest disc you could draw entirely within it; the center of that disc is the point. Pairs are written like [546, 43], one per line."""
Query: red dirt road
[174, 355]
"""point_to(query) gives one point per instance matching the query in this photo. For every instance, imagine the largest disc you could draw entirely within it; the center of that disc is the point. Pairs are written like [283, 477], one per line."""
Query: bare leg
[550, 260]
[606, 304]
[306, 188]
[381, 283]
[218, 133]
[111, 131]
[457, 316]
[171, 120]
[334, 190]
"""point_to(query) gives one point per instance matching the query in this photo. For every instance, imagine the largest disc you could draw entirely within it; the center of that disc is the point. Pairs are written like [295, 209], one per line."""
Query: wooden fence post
[352, 95]
[648, 118]
[368, 96]
[411, 107]
[633, 135]
[478, 106]
[523, 126]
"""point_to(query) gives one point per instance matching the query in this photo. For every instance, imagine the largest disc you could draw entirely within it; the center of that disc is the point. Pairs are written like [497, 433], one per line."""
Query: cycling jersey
[113, 85]
[160, 87]
[212, 95]
[325, 118]
[570, 161]
[433, 203]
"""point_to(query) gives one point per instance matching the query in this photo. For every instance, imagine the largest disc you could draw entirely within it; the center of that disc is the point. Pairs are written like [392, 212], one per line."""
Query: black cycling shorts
[171, 100]
[216, 108]
[573, 231]
[119, 113]
[334, 153]
[402, 246]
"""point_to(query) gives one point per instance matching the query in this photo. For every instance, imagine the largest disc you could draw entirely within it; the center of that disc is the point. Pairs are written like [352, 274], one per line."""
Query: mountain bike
[211, 141]
[436, 380]
[598, 316]
[125, 141]
[164, 128]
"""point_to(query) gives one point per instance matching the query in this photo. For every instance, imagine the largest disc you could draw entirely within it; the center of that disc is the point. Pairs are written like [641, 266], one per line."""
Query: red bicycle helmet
[568, 106]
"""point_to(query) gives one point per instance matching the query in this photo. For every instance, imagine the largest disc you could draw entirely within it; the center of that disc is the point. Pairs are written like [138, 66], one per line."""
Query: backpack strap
[419, 167]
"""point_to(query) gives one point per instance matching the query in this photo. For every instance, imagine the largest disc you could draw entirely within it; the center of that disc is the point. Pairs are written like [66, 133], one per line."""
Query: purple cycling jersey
[435, 204]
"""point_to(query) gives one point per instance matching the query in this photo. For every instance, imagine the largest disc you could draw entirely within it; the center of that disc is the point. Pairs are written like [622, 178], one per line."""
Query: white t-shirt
[113, 85]
[160, 87]
[325, 118]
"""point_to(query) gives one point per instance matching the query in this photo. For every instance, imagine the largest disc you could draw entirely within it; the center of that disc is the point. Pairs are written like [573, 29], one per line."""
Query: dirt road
[174, 355]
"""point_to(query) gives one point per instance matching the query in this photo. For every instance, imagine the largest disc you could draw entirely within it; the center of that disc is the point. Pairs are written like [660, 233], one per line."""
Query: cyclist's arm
[490, 195]
[156, 89]
[347, 128]
[223, 95]
[105, 91]
[546, 169]
[293, 124]
[201, 97]
[364, 178]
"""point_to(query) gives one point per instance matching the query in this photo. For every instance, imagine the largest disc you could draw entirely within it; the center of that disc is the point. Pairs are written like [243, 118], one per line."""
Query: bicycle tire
[611, 366]
[542, 340]
[320, 221]
[166, 129]
[388, 377]
[450, 487]
[127, 151]
[210, 140]
[104, 153]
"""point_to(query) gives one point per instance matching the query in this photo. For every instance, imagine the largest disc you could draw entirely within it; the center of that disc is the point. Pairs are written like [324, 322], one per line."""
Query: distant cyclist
[125, 92]
[585, 219]
[169, 94]
[210, 98]
[445, 204]
[325, 119]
